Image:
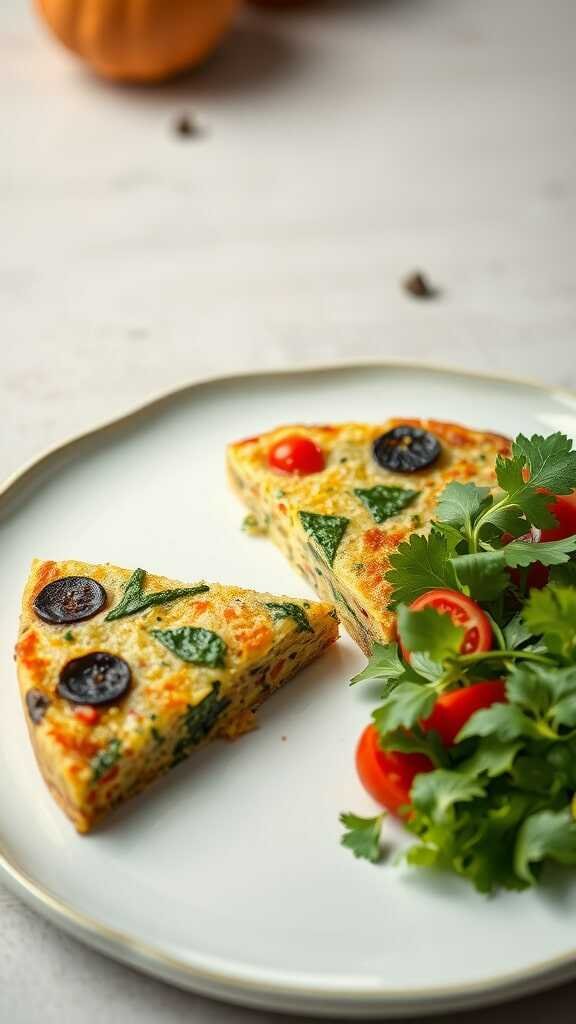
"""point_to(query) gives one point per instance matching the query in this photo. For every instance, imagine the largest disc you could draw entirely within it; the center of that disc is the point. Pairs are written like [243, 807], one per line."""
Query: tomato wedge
[452, 710]
[387, 775]
[296, 454]
[464, 612]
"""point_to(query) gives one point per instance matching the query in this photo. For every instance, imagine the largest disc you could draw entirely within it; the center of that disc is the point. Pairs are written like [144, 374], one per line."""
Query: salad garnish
[473, 744]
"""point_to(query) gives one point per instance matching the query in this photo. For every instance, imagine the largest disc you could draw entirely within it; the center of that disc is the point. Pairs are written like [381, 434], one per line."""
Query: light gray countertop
[345, 144]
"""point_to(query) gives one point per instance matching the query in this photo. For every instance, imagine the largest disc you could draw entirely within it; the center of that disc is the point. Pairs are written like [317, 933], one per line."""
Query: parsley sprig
[500, 801]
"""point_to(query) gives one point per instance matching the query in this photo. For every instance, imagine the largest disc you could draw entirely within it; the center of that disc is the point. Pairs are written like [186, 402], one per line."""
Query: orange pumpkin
[139, 40]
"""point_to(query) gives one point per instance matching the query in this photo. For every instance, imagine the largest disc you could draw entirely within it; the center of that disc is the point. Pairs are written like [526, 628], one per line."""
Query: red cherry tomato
[386, 774]
[464, 612]
[296, 454]
[564, 510]
[452, 710]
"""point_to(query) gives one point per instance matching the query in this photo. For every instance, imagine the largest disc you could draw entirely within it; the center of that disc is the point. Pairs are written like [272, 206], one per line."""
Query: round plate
[228, 877]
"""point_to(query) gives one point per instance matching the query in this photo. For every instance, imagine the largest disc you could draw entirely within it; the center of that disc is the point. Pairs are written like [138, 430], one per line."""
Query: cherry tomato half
[386, 774]
[296, 454]
[452, 710]
[464, 612]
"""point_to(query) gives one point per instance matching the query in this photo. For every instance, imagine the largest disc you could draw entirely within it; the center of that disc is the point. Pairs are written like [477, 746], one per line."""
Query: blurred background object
[139, 40]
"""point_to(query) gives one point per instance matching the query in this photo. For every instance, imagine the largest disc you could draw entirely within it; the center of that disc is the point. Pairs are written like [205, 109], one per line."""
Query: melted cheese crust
[92, 766]
[356, 581]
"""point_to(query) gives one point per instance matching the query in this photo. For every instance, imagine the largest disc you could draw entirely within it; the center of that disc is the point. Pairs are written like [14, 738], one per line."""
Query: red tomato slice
[386, 774]
[464, 612]
[297, 454]
[452, 710]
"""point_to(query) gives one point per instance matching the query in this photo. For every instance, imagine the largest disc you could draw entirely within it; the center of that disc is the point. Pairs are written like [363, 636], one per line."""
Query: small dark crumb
[284, 738]
[418, 285]
[187, 127]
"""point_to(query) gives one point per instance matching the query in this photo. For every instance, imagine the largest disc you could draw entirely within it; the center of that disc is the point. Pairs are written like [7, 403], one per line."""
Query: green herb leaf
[106, 759]
[135, 600]
[416, 742]
[546, 692]
[424, 667]
[198, 723]
[483, 575]
[459, 504]
[516, 633]
[453, 537]
[384, 664]
[383, 502]
[545, 835]
[435, 793]
[504, 721]
[551, 465]
[193, 644]
[287, 610]
[431, 631]
[408, 704]
[493, 757]
[422, 563]
[327, 531]
[551, 461]
[363, 836]
[552, 552]
[552, 613]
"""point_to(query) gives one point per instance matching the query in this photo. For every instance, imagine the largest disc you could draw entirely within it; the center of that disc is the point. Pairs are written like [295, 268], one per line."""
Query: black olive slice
[406, 449]
[37, 704]
[70, 599]
[97, 678]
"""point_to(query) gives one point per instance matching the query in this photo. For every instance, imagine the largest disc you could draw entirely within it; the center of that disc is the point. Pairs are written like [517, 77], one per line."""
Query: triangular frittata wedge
[339, 519]
[123, 674]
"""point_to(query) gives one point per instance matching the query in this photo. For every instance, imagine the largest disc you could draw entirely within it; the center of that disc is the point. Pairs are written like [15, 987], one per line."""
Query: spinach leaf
[383, 502]
[327, 531]
[106, 759]
[193, 644]
[198, 722]
[287, 610]
[135, 600]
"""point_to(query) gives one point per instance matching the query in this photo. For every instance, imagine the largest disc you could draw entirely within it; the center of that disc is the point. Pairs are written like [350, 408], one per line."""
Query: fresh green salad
[473, 743]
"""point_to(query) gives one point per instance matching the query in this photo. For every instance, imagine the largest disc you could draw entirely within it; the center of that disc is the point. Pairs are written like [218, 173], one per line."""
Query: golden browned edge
[47, 755]
[151, 959]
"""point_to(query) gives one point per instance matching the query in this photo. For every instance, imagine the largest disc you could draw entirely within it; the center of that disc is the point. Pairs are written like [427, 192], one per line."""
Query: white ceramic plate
[227, 877]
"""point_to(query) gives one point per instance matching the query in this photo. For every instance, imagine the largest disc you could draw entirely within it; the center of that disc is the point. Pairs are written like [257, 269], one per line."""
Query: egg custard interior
[123, 674]
[339, 500]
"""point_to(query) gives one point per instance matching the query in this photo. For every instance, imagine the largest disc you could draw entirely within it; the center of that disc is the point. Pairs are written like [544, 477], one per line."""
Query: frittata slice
[326, 495]
[123, 674]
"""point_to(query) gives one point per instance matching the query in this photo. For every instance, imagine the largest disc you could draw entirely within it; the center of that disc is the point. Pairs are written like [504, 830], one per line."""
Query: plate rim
[246, 987]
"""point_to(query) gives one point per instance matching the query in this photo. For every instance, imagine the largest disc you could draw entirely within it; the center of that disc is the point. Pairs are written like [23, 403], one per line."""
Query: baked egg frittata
[123, 674]
[338, 500]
